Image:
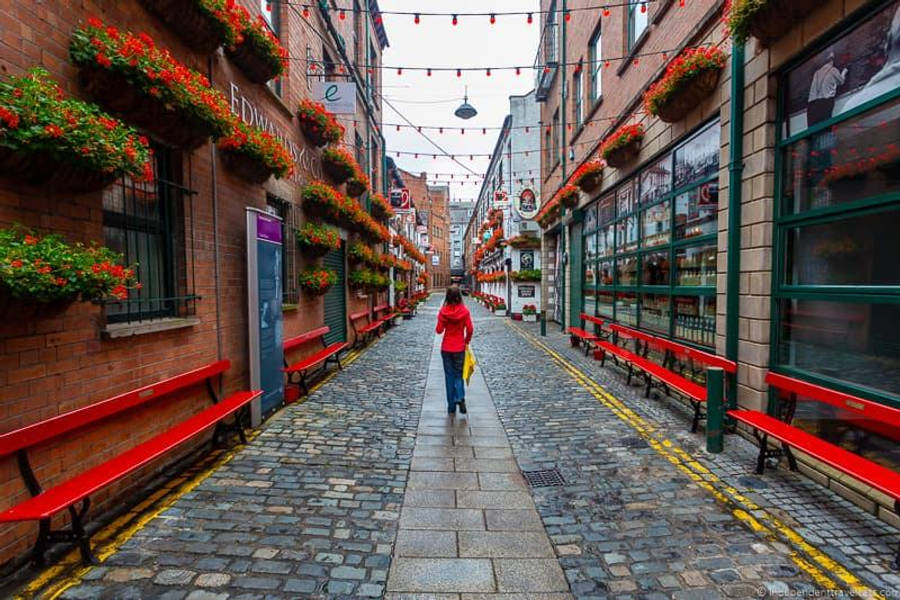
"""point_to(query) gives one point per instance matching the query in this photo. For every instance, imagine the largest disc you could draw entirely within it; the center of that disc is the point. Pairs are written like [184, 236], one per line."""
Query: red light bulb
[493, 18]
[416, 19]
[455, 20]
[342, 15]
[530, 19]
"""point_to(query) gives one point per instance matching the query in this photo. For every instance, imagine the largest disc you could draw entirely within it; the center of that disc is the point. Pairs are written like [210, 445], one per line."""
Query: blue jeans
[453, 378]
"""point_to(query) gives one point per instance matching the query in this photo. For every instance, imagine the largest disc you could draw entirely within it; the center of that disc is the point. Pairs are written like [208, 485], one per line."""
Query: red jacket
[455, 322]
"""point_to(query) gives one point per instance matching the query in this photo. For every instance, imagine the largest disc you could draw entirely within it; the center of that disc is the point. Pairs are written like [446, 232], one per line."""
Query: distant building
[460, 213]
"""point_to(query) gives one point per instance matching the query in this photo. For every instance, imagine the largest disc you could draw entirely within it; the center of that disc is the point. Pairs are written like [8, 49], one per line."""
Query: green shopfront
[836, 266]
[650, 244]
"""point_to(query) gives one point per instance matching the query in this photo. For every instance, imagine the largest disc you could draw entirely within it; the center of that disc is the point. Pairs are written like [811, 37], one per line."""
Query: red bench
[764, 426]
[45, 503]
[387, 315]
[656, 375]
[364, 331]
[581, 336]
[304, 367]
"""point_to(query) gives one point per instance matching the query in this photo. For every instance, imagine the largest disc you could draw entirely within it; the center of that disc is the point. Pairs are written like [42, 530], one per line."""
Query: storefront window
[626, 270]
[696, 266]
[655, 225]
[695, 319]
[590, 247]
[836, 280]
[590, 296]
[663, 218]
[655, 269]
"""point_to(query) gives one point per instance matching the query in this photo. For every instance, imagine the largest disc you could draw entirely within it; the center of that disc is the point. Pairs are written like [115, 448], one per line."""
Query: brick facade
[52, 365]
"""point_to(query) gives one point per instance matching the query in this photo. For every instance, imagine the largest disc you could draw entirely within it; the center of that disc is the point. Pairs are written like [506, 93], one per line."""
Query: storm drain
[545, 478]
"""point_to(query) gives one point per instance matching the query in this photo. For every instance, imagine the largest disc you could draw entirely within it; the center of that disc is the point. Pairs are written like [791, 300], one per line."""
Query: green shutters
[336, 298]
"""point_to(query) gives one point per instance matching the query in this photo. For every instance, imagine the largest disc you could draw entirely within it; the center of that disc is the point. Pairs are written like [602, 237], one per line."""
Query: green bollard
[543, 323]
[715, 410]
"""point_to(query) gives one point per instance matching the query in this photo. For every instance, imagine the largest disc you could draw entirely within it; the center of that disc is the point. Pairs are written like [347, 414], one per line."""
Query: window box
[255, 155]
[688, 81]
[622, 147]
[203, 25]
[258, 52]
[157, 92]
[766, 21]
[339, 165]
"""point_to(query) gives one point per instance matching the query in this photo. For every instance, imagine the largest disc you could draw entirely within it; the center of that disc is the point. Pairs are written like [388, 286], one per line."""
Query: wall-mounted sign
[421, 228]
[526, 204]
[526, 260]
[338, 96]
[501, 200]
[264, 247]
[400, 199]
[435, 260]
[526, 291]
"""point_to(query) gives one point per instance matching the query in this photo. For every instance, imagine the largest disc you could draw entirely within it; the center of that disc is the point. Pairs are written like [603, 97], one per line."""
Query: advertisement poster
[264, 265]
[526, 291]
[339, 97]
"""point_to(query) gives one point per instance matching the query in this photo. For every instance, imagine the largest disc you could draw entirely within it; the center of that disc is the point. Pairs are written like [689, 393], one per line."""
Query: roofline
[375, 11]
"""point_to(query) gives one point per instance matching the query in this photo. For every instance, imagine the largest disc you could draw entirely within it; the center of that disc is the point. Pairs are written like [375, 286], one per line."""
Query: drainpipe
[736, 170]
[215, 224]
[562, 147]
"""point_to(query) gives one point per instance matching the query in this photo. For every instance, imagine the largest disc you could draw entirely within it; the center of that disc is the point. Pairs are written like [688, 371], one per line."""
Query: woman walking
[455, 322]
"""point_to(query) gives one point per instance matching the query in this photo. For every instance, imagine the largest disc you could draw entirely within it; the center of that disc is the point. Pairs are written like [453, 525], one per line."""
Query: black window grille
[149, 223]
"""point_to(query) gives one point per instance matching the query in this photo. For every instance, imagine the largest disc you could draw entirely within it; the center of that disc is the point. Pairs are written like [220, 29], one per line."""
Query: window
[361, 155]
[372, 72]
[577, 96]
[595, 57]
[271, 12]
[651, 249]
[836, 282]
[548, 152]
[281, 208]
[329, 68]
[637, 21]
[147, 223]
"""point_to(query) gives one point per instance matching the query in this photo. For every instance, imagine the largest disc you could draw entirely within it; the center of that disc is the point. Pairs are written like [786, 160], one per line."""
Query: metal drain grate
[545, 478]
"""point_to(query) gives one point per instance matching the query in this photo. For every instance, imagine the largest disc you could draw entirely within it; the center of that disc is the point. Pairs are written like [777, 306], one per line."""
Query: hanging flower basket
[321, 200]
[130, 76]
[766, 20]
[317, 124]
[255, 155]
[688, 81]
[338, 164]
[623, 146]
[44, 275]
[257, 51]
[589, 176]
[568, 196]
[203, 25]
[358, 184]
[315, 281]
[316, 240]
[380, 207]
[72, 145]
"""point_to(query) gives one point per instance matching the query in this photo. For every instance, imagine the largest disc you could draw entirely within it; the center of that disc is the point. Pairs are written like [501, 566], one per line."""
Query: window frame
[633, 37]
[275, 26]
[578, 95]
[595, 47]
[784, 222]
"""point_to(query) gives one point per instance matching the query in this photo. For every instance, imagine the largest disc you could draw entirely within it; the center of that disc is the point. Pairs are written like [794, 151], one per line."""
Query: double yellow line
[827, 572]
[68, 572]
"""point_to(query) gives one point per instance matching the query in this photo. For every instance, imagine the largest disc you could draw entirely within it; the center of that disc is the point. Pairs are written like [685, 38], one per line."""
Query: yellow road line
[822, 568]
[68, 572]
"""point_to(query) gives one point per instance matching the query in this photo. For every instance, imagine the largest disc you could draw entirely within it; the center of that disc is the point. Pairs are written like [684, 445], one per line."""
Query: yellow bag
[468, 365]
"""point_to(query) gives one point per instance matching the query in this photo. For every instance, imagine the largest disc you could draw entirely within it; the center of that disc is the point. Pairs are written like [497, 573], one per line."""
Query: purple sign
[268, 229]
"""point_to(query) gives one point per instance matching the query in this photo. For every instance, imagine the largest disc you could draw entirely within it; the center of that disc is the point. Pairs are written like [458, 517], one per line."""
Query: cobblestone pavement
[309, 509]
[628, 523]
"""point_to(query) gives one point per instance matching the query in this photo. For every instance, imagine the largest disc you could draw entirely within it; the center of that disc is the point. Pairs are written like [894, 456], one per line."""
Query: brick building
[771, 253]
[439, 229]
[186, 230]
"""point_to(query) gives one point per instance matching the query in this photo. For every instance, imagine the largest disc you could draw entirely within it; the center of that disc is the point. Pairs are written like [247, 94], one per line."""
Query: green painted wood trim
[735, 181]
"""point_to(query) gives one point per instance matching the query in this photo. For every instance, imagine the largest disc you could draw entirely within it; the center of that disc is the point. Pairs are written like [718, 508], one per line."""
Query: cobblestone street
[369, 489]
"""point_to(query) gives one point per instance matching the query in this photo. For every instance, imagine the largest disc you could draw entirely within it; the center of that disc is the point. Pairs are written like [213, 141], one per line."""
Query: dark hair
[454, 296]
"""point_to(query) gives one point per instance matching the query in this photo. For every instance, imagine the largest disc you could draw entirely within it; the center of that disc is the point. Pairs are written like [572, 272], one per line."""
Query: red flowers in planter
[357, 184]
[339, 164]
[317, 124]
[317, 240]
[409, 248]
[257, 50]
[255, 154]
[47, 137]
[588, 176]
[128, 74]
[623, 145]
[549, 212]
[689, 78]
[568, 195]
[321, 200]
[381, 208]
[204, 25]
[317, 280]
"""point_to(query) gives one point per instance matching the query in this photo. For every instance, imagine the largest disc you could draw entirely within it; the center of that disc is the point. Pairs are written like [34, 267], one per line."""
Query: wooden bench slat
[872, 410]
[317, 358]
[291, 343]
[37, 433]
[60, 497]
[878, 476]
[582, 334]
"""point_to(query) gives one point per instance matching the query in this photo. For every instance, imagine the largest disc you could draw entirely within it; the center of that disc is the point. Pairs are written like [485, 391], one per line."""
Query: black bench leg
[649, 385]
[792, 462]
[629, 375]
[40, 546]
[763, 447]
[84, 542]
[697, 416]
[603, 359]
[896, 564]
[340, 366]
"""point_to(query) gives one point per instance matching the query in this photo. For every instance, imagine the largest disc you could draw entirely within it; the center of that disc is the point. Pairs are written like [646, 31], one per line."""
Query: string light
[530, 19]
[455, 20]
[493, 18]
[417, 19]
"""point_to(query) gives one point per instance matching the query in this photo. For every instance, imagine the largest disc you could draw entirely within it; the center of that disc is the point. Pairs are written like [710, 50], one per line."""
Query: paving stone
[505, 500]
[487, 465]
[504, 544]
[441, 518]
[432, 464]
[430, 498]
[513, 520]
[426, 543]
[501, 482]
[442, 481]
[530, 575]
[441, 575]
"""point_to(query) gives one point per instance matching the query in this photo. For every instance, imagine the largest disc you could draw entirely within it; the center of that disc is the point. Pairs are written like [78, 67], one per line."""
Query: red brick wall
[52, 365]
